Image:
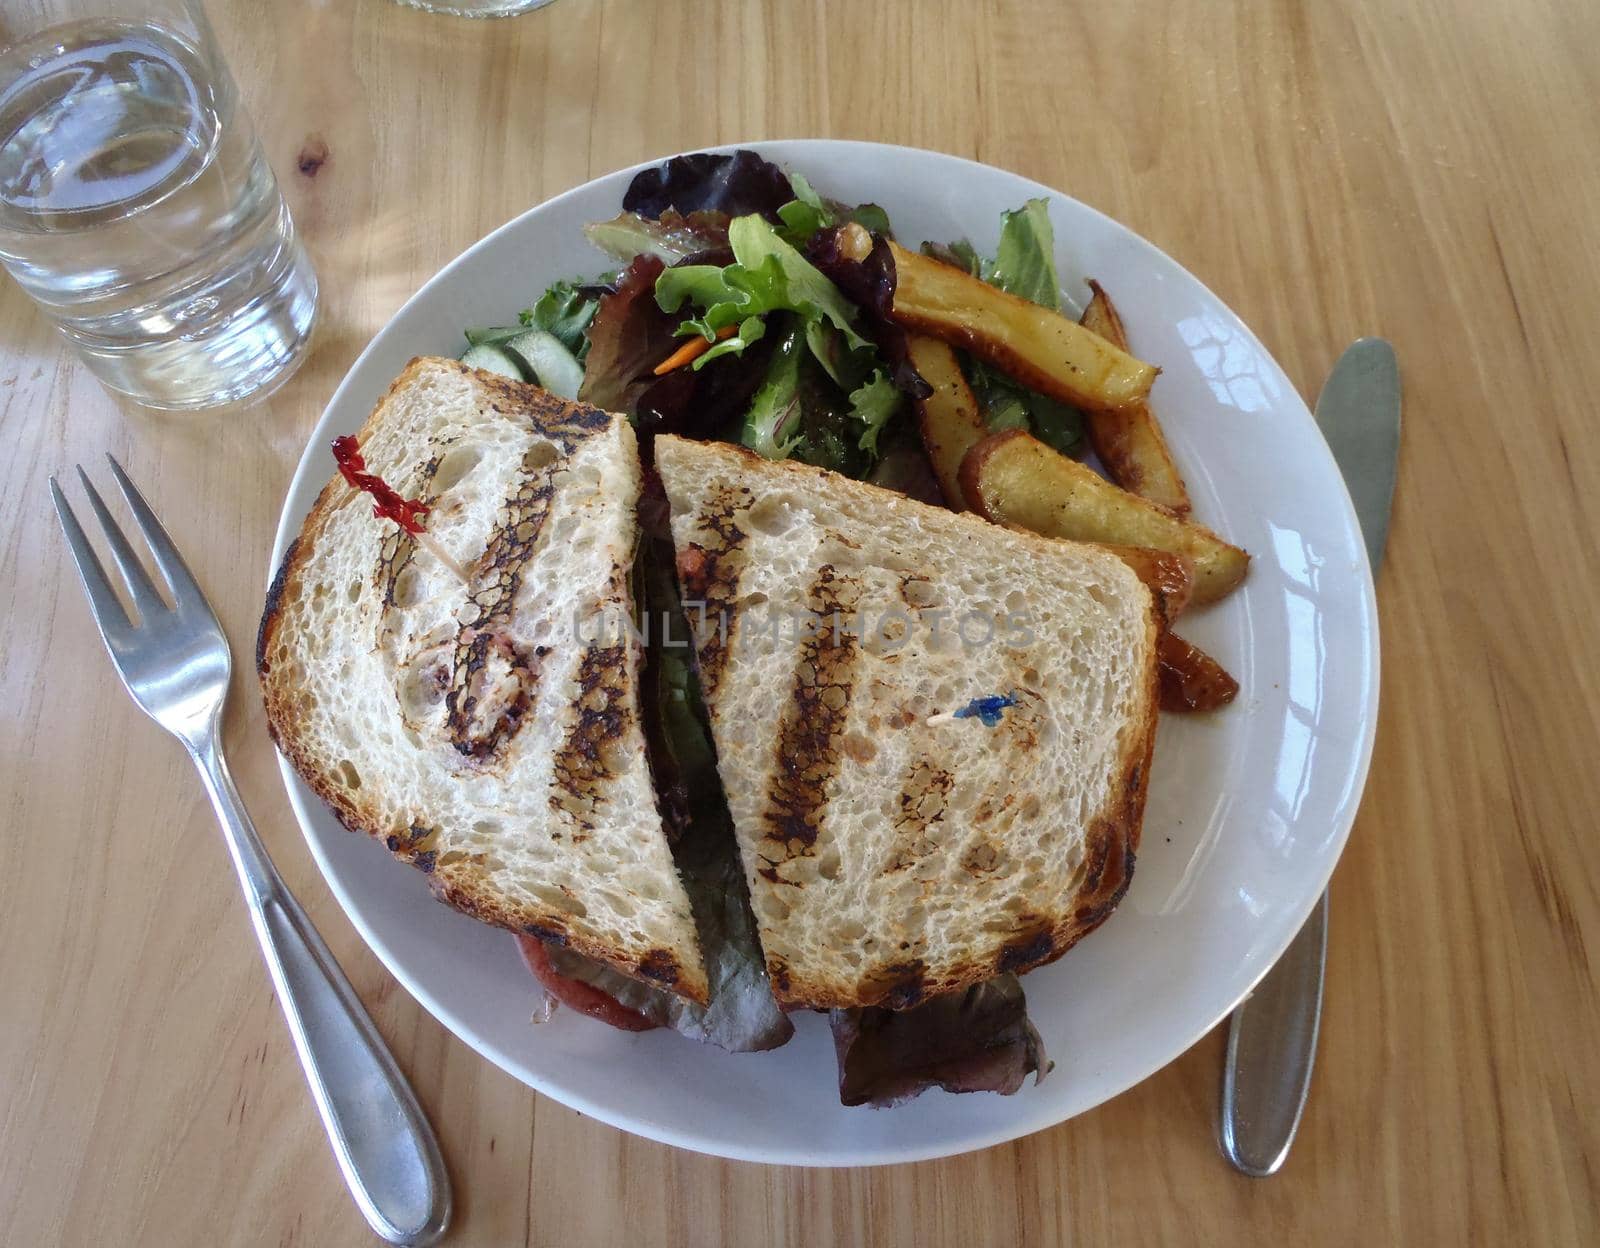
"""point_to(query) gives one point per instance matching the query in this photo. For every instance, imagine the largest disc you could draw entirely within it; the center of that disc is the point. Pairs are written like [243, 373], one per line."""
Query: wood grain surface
[1420, 169]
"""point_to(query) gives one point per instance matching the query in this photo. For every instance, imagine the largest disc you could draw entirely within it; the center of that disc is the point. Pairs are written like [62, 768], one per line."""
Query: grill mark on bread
[546, 932]
[415, 845]
[922, 803]
[1110, 868]
[1029, 951]
[561, 420]
[907, 984]
[398, 549]
[659, 966]
[584, 764]
[710, 571]
[806, 753]
[399, 546]
[510, 547]
[395, 554]
[910, 596]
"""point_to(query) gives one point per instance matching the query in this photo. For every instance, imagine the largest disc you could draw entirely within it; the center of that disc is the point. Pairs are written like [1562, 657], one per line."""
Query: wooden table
[1415, 168]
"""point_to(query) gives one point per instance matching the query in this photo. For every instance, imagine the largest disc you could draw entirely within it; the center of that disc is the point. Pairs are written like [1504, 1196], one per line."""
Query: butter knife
[1272, 1037]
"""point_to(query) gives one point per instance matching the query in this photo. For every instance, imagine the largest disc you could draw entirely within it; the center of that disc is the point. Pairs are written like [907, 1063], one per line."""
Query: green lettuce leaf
[771, 424]
[805, 214]
[628, 235]
[768, 275]
[869, 217]
[565, 312]
[828, 434]
[873, 405]
[1056, 424]
[1005, 403]
[848, 368]
[1025, 266]
[804, 193]
[961, 254]
[683, 716]
[1008, 405]
[493, 335]
[1025, 262]
[808, 212]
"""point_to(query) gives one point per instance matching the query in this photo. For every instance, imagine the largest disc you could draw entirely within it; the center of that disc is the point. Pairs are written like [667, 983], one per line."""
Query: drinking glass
[136, 206]
[478, 8]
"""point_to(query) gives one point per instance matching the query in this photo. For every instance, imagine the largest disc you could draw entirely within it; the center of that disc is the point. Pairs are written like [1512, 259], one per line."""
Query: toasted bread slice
[487, 732]
[895, 847]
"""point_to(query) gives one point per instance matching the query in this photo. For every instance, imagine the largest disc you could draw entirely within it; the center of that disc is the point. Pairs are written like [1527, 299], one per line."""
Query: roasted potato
[1191, 680]
[1170, 577]
[1013, 478]
[949, 419]
[1042, 349]
[1129, 442]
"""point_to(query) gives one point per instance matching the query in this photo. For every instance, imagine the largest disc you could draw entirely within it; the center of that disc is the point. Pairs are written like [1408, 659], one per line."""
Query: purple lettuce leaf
[869, 284]
[735, 184]
[628, 337]
[705, 403]
[977, 1040]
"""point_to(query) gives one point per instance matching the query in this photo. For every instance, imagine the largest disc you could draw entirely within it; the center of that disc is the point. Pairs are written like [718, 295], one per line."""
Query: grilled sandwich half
[934, 733]
[487, 730]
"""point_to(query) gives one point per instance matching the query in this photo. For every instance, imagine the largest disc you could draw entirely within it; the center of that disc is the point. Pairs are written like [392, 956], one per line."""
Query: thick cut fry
[1169, 577]
[1191, 680]
[1042, 349]
[949, 418]
[1013, 478]
[1130, 442]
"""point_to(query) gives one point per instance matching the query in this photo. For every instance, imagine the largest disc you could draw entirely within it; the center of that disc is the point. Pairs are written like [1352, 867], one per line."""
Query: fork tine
[186, 590]
[108, 613]
[145, 595]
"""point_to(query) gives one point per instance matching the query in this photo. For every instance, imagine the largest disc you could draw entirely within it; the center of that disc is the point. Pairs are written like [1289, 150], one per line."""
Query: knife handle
[1272, 1046]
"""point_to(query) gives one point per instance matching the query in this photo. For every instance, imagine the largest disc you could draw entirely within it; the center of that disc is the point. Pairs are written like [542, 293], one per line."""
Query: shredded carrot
[692, 350]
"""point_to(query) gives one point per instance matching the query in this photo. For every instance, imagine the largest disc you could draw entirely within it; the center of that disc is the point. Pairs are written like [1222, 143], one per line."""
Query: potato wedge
[1129, 442]
[1191, 680]
[1042, 349]
[1013, 478]
[1169, 576]
[949, 419]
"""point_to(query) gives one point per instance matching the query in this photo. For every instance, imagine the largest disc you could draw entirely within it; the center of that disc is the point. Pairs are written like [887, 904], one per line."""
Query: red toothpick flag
[387, 502]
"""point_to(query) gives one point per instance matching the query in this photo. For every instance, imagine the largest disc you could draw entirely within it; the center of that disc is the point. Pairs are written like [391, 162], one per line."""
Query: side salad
[744, 309]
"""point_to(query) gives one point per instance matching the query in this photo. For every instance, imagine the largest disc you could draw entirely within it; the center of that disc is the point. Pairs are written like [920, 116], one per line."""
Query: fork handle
[380, 1136]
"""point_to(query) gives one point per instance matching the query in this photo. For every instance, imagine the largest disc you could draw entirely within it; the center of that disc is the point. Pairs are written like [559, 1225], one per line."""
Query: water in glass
[137, 208]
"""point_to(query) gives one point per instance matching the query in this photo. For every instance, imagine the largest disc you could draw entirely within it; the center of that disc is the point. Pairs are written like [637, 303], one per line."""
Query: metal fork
[175, 663]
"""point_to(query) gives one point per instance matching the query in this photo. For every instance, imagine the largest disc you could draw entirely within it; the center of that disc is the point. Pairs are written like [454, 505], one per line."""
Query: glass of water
[478, 8]
[136, 206]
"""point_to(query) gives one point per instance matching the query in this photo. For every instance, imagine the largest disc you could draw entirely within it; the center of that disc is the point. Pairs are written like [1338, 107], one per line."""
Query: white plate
[1248, 808]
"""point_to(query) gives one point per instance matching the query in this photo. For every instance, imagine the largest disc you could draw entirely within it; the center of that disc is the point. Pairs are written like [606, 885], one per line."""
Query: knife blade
[1358, 412]
[1272, 1037]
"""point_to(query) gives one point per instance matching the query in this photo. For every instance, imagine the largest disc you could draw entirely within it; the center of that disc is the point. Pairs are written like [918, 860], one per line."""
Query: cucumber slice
[547, 361]
[494, 360]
